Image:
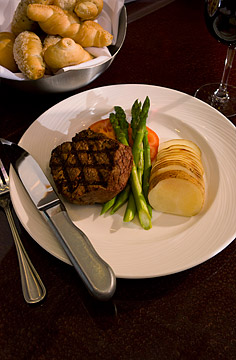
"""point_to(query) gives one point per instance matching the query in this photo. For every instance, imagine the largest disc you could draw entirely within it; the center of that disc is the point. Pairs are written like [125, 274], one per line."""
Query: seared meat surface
[91, 168]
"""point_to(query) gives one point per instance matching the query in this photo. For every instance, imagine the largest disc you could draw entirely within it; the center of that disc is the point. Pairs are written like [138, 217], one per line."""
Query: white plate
[174, 243]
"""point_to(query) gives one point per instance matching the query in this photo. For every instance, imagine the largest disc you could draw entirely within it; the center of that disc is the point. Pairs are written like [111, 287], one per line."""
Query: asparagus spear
[120, 135]
[135, 112]
[141, 205]
[141, 151]
[138, 140]
[138, 151]
[147, 169]
[121, 116]
[130, 209]
[121, 199]
[108, 205]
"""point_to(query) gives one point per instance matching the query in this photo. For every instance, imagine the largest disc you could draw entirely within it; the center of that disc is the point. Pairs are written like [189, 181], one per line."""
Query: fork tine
[4, 173]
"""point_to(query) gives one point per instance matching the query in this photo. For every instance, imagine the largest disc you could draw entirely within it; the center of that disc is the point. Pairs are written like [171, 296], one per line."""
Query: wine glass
[220, 17]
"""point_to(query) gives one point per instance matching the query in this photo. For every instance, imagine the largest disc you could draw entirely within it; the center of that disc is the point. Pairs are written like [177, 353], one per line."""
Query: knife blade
[96, 274]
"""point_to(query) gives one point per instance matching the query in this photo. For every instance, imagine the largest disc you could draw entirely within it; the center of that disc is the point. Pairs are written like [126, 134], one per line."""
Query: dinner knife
[96, 274]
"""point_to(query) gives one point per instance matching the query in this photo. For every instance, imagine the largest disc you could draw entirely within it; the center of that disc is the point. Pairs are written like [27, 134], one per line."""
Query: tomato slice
[105, 127]
[153, 140]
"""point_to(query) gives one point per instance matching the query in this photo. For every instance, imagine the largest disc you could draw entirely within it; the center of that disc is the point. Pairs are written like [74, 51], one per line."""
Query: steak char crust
[91, 168]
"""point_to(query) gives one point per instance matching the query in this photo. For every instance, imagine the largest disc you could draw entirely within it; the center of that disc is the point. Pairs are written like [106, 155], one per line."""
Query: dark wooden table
[189, 315]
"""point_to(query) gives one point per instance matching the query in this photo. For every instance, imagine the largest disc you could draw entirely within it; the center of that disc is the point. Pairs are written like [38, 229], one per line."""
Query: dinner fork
[32, 286]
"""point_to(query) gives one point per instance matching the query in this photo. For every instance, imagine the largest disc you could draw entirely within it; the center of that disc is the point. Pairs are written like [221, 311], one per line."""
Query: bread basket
[75, 78]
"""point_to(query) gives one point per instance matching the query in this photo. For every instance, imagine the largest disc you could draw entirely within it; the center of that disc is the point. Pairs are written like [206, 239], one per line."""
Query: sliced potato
[197, 164]
[176, 167]
[176, 182]
[175, 150]
[176, 196]
[176, 174]
[181, 143]
[178, 151]
[185, 164]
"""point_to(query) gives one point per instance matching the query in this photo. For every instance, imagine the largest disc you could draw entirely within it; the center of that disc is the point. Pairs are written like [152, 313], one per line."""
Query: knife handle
[96, 274]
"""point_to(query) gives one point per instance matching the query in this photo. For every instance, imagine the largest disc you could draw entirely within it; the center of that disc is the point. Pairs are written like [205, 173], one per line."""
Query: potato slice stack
[176, 180]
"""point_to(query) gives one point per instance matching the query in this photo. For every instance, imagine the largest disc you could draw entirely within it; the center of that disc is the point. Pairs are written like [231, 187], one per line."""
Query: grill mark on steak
[91, 168]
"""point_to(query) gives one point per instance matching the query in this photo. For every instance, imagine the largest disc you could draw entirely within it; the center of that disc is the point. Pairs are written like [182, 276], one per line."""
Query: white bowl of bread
[60, 45]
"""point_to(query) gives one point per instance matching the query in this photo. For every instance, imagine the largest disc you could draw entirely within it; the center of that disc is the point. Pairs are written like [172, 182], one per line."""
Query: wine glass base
[226, 105]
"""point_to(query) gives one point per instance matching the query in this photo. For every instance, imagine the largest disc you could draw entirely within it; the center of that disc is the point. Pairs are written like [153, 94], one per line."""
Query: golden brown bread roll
[6, 51]
[55, 21]
[20, 21]
[93, 34]
[65, 53]
[50, 40]
[27, 52]
[65, 4]
[88, 10]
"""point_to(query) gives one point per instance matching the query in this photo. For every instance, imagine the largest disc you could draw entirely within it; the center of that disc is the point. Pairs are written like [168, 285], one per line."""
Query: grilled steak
[91, 168]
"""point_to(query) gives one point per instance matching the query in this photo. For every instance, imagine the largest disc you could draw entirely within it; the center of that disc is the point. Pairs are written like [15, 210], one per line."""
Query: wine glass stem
[222, 92]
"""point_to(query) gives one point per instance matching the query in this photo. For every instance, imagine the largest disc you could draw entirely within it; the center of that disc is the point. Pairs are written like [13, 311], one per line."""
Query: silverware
[96, 274]
[32, 286]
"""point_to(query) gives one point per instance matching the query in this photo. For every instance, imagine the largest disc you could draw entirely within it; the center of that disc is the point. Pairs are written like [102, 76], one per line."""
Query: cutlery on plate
[33, 289]
[96, 274]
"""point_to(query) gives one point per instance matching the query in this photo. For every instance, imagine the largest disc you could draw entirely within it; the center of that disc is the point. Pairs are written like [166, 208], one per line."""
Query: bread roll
[92, 34]
[55, 21]
[65, 53]
[27, 52]
[65, 4]
[6, 51]
[20, 21]
[88, 10]
[50, 40]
